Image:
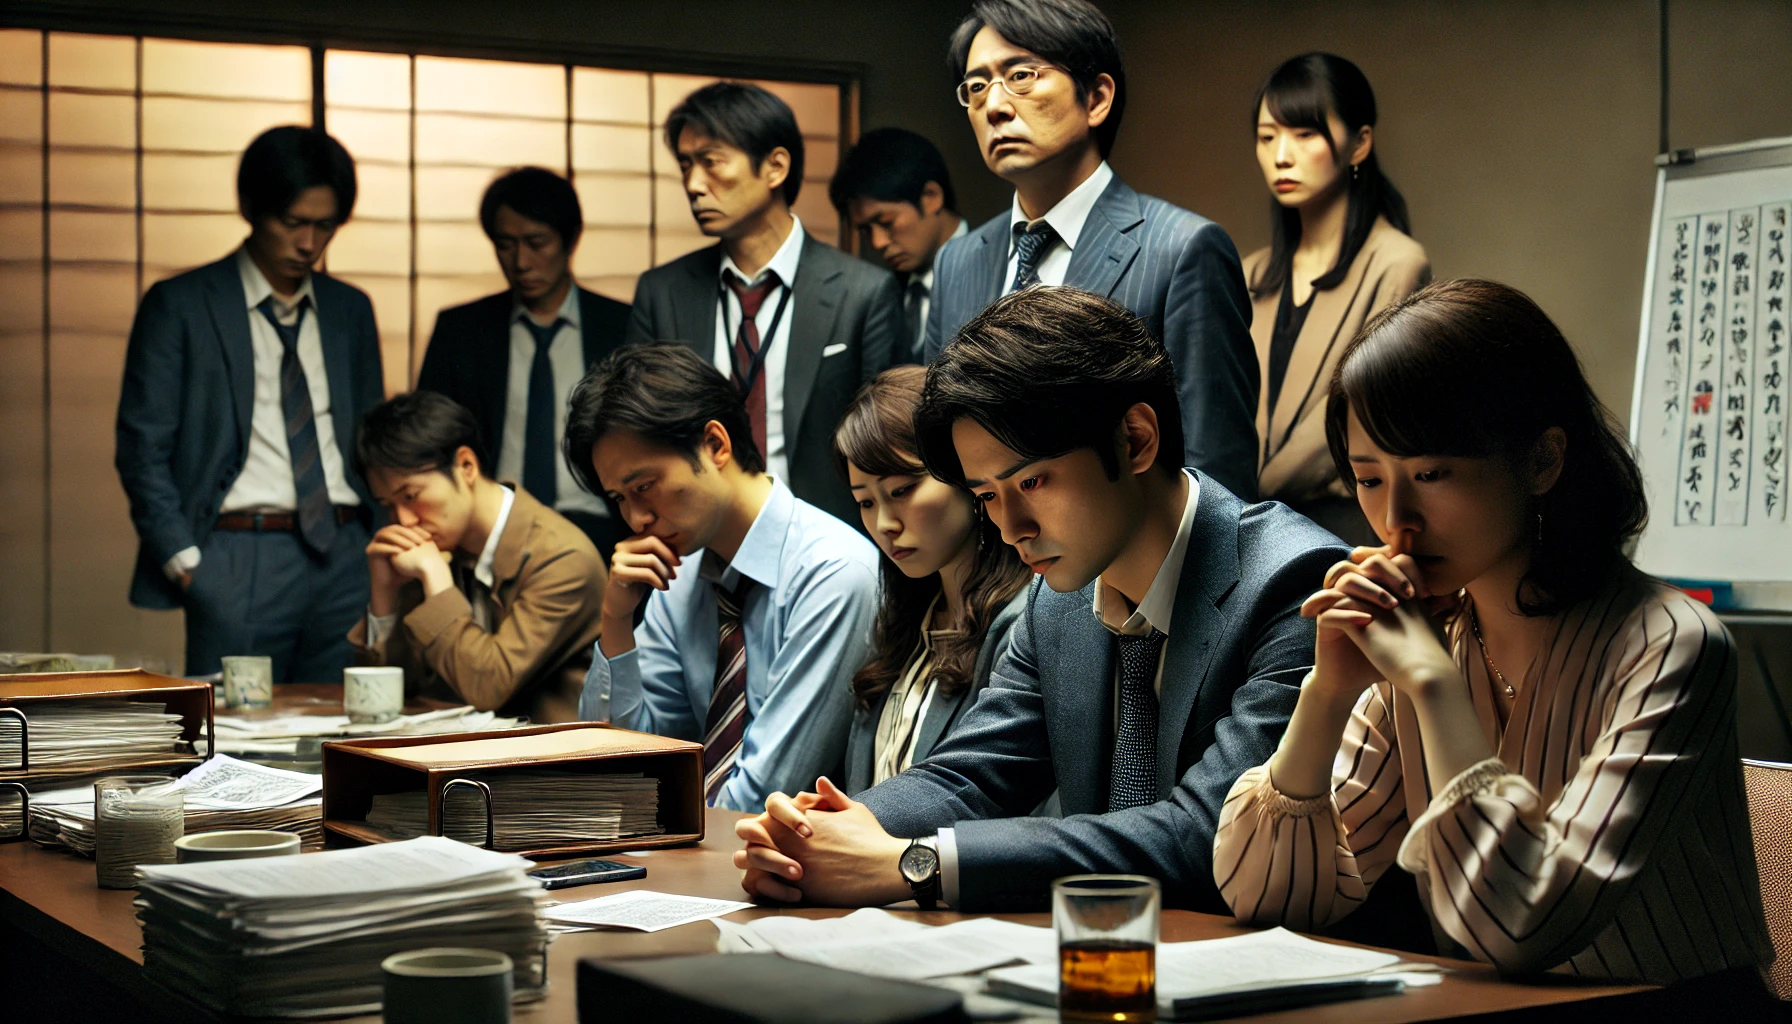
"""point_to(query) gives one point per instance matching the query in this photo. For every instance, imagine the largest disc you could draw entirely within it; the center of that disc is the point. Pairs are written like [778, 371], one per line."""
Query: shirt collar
[569, 308]
[1072, 212]
[926, 276]
[762, 547]
[1159, 605]
[256, 286]
[482, 569]
[784, 261]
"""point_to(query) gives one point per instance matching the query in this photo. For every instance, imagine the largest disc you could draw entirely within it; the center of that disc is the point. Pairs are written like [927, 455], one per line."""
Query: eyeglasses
[1018, 81]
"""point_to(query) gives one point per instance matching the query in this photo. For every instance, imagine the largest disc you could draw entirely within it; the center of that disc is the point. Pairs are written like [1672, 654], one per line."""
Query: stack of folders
[92, 737]
[531, 809]
[304, 936]
[223, 793]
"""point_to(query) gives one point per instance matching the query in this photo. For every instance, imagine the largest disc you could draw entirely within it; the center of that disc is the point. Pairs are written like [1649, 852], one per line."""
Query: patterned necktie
[1133, 781]
[911, 312]
[726, 724]
[746, 347]
[317, 518]
[539, 445]
[1032, 241]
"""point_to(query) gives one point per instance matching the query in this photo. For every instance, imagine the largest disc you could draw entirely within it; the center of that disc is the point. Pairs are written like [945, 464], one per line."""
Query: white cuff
[947, 848]
[184, 561]
[379, 627]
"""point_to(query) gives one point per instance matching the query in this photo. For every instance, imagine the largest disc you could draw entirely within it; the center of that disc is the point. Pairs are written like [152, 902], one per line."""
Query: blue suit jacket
[1176, 270]
[1233, 664]
[189, 388]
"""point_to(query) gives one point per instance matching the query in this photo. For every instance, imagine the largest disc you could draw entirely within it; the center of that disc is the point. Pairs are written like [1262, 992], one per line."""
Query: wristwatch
[921, 869]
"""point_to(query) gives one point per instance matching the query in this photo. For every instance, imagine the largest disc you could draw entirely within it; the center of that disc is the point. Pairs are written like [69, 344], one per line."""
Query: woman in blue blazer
[951, 588]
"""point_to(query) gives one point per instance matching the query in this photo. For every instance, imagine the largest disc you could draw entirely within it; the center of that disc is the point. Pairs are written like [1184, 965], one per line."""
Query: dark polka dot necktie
[1133, 780]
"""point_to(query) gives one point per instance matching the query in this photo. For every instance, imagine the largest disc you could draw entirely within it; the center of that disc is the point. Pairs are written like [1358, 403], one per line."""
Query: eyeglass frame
[1002, 80]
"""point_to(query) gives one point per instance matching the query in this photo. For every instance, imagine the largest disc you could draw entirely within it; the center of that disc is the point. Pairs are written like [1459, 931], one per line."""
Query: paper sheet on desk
[640, 910]
[388, 867]
[877, 943]
[220, 784]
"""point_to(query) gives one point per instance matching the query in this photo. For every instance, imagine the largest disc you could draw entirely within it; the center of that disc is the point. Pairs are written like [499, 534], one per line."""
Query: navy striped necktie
[1031, 242]
[317, 517]
[726, 723]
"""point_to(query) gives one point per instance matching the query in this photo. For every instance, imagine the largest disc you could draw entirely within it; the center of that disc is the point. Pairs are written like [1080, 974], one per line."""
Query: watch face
[919, 864]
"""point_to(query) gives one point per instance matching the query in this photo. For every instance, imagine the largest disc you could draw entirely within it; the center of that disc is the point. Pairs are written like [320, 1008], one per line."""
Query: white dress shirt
[379, 627]
[925, 277]
[566, 355]
[728, 323]
[1153, 612]
[1067, 219]
[266, 481]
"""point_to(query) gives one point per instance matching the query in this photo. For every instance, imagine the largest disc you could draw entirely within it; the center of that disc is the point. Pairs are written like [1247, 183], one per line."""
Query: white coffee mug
[248, 681]
[237, 844]
[372, 695]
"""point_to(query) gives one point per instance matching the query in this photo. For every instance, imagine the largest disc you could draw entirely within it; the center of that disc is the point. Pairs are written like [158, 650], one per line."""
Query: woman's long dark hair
[1475, 369]
[1300, 94]
[877, 435]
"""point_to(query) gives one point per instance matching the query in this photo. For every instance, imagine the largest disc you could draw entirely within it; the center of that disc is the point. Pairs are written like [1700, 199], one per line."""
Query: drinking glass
[1107, 946]
[136, 820]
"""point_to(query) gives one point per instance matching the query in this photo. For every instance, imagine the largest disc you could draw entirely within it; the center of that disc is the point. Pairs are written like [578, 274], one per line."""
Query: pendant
[1510, 692]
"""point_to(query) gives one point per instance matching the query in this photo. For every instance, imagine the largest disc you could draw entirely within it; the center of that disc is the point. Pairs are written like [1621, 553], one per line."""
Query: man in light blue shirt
[751, 653]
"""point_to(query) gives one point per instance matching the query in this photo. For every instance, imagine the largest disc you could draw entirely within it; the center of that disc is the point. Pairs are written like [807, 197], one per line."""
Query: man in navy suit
[243, 384]
[511, 359]
[1160, 652]
[1044, 88]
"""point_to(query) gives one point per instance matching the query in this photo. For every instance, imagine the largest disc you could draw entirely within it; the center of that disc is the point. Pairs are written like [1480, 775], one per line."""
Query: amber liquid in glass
[1108, 980]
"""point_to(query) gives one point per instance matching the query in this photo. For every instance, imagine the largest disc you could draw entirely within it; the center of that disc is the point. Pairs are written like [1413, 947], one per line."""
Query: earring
[1356, 171]
[1539, 529]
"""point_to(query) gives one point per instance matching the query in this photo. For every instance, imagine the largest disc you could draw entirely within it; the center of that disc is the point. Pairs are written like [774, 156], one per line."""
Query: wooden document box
[192, 701]
[357, 770]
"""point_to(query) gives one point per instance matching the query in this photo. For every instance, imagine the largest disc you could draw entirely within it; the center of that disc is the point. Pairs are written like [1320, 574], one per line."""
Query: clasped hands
[399, 553]
[822, 848]
[1377, 620]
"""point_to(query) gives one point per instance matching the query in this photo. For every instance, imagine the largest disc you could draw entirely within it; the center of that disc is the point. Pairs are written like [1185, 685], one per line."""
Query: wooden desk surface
[53, 896]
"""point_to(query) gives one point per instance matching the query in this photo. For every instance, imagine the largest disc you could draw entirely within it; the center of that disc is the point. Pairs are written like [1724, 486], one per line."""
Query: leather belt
[277, 522]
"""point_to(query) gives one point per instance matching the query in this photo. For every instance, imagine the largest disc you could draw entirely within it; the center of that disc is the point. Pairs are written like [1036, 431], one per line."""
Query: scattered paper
[641, 910]
[878, 943]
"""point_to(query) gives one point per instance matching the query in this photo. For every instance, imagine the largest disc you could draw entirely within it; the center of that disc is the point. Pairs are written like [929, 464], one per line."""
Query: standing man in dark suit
[1044, 88]
[795, 323]
[243, 384]
[1161, 650]
[512, 358]
[893, 187]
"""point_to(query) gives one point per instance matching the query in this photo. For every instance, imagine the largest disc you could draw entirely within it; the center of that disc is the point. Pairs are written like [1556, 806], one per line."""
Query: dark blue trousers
[267, 593]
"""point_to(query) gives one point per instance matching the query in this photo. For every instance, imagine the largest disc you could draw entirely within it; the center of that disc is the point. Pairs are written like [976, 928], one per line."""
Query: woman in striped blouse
[1500, 703]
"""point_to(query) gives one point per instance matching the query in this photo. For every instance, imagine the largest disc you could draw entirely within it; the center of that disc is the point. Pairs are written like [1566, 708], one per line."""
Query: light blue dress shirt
[808, 629]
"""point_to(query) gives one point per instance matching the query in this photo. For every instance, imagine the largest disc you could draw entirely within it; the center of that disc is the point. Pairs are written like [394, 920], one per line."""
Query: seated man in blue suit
[1160, 651]
[1044, 88]
[243, 383]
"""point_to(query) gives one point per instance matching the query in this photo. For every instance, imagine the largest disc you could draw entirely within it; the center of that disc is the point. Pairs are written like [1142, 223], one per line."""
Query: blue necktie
[1031, 244]
[1133, 780]
[317, 518]
[540, 447]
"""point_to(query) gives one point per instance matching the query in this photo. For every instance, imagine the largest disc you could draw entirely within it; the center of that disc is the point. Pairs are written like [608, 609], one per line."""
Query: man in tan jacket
[482, 593]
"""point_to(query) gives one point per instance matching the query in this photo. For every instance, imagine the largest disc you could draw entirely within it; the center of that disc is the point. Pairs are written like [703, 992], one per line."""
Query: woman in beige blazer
[1339, 254]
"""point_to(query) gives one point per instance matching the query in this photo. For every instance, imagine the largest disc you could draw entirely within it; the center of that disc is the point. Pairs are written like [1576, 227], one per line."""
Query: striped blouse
[1610, 833]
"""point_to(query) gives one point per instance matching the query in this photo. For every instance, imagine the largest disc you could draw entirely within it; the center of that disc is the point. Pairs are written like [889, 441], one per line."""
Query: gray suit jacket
[835, 301]
[189, 389]
[1232, 668]
[942, 714]
[1178, 272]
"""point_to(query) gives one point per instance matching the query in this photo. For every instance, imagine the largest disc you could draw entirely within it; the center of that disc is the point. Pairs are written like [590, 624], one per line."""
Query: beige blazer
[544, 610]
[1294, 463]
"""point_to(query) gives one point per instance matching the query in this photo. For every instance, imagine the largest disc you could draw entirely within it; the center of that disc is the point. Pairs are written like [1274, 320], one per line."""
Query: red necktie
[746, 350]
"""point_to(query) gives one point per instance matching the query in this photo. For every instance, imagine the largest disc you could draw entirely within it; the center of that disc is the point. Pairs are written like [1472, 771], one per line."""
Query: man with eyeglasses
[1044, 88]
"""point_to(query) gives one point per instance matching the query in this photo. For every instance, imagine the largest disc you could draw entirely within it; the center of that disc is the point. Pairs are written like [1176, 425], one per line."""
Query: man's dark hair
[1048, 371]
[415, 432]
[1072, 34]
[282, 162]
[538, 194]
[892, 165]
[665, 394]
[746, 117]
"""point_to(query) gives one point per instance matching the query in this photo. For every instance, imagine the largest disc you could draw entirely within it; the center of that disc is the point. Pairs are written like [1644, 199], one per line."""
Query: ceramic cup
[248, 681]
[235, 845]
[447, 986]
[372, 695]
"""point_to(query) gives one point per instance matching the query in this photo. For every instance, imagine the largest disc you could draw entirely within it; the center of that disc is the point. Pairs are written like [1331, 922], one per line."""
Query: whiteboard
[1708, 415]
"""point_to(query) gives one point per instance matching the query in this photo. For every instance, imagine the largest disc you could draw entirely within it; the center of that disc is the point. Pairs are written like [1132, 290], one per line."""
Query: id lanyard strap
[751, 375]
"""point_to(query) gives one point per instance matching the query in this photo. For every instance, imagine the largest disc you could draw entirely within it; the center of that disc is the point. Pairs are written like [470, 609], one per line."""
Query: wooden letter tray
[357, 770]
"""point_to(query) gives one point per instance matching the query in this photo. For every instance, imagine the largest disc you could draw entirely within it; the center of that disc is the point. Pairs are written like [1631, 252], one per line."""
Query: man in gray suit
[1044, 88]
[1159, 656]
[795, 323]
[244, 381]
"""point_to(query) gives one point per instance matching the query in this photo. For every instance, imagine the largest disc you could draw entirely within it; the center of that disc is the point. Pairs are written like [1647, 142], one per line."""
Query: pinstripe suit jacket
[1176, 270]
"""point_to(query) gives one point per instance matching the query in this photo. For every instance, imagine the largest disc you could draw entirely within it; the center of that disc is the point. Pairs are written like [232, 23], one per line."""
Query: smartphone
[587, 872]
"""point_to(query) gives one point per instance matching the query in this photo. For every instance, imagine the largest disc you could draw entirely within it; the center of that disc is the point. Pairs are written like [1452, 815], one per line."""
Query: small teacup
[372, 695]
[248, 681]
[447, 986]
[239, 844]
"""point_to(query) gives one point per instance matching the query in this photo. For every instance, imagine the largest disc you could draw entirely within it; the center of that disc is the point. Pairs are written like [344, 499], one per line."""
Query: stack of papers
[294, 739]
[879, 943]
[304, 936]
[93, 737]
[223, 793]
[531, 810]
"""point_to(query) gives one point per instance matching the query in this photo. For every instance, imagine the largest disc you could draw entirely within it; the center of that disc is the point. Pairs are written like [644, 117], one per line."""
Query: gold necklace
[1474, 621]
